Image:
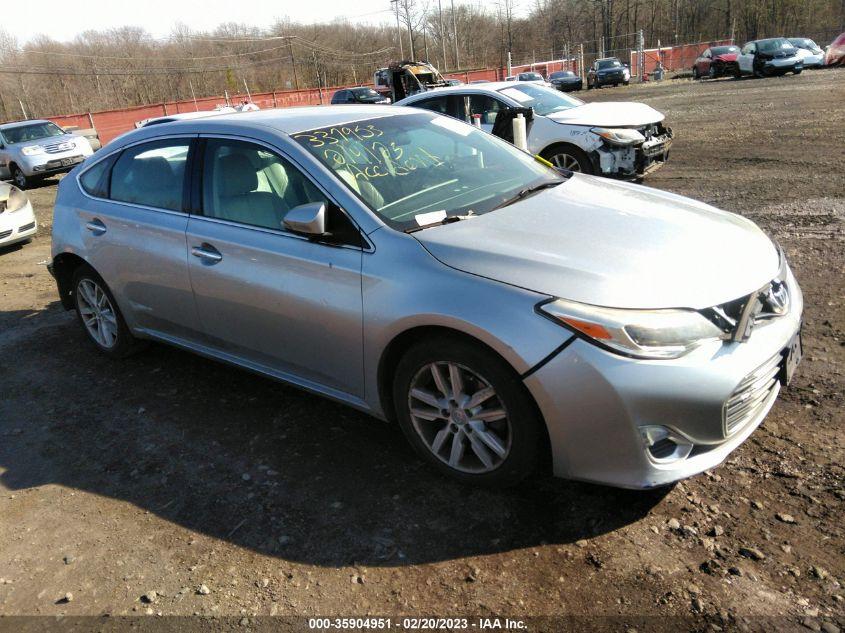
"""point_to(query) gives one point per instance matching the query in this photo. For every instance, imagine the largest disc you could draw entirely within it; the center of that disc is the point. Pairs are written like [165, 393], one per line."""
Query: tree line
[128, 66]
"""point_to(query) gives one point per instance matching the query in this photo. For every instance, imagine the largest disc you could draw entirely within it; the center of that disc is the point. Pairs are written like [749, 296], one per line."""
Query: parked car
[531, 77]
[184, 116]
[17, 220]
[716, 61]
[480, 81]
[454, 82]
[361, 263]
[566, 80]
[811, 54]
[835, 53]
[32, 150]
[362, 94]
[608, 72]
[619, 140]
[89, 133]
[773, 56]
[400, 79]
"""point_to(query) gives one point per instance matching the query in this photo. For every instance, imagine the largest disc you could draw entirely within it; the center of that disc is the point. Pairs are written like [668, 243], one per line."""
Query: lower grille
[5, 234]
[26, 227]
[751, 395]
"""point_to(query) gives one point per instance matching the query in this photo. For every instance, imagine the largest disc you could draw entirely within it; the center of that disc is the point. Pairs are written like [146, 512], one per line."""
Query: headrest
[238, 176]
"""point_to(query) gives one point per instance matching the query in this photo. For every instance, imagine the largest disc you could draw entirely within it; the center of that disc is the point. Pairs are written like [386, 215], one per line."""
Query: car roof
[13, 124]
[284, 120]
[487, 86]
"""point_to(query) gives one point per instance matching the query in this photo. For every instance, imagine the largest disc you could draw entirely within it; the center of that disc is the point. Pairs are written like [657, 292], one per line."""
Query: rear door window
[152, 174]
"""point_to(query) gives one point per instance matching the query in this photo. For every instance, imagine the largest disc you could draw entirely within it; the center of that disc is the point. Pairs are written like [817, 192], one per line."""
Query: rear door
[280, 302]
[133, 224]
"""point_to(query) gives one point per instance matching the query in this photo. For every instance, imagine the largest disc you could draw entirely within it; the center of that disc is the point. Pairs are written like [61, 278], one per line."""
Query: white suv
[614, 139]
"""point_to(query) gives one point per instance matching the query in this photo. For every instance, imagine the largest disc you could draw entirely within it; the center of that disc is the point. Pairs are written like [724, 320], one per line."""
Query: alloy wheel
[20, 178]
[566, 161]
[97, 313]
[459, 417]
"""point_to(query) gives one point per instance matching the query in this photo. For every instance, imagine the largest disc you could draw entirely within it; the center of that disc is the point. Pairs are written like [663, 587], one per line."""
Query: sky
[62, 20]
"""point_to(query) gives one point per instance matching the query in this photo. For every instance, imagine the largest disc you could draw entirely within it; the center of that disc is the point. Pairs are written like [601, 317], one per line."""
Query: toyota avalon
[507, 315]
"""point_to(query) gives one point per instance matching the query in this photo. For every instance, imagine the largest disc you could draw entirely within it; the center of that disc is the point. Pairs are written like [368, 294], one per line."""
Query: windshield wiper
[524, 193]
[447, 220]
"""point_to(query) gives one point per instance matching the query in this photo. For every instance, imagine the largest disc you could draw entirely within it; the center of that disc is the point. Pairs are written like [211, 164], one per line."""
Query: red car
[716, 61]
[835, 55]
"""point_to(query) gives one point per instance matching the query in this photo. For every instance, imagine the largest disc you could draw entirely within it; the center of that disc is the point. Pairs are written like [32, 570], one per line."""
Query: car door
[704, 63]
[487, 107]
[279, 302]
[745, 59]
[133, 225]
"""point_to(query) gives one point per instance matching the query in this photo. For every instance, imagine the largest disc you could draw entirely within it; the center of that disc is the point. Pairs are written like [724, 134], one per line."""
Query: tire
[109, 333]
[561, 155]
[19, 178]
[695, 73]
[797, 71]
[625, 83]
[712, 72]
[511, 434]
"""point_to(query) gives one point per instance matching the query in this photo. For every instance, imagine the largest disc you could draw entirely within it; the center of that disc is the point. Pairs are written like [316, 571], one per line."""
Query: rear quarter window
[95, 181]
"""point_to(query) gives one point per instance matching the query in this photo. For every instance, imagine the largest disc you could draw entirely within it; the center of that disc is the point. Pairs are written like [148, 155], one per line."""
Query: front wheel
[797, 71]
[99, 315]
[568, 157]
[465, 411]
[20, 179]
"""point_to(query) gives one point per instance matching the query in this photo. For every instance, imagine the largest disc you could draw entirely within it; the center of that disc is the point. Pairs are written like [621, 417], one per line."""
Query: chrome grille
[5, 234]
[57, 148]
[751, 395]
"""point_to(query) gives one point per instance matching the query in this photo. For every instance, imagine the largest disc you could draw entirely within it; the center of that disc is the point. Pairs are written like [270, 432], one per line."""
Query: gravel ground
[169, 484]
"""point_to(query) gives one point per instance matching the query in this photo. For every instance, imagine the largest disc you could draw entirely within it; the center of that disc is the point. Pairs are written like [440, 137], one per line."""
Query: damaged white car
[613, 139]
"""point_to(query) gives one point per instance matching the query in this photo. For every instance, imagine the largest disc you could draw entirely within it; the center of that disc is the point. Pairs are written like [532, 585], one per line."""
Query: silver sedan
[507, 315]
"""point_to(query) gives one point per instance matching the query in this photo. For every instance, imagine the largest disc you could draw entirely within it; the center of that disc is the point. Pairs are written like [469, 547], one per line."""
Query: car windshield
[418, 169]
[530, 77]
[609, 63]
[33, 132]
[544, 100]
[365, 92]
[724, 50]
[771, 46]
[804, 42]
[561, 74]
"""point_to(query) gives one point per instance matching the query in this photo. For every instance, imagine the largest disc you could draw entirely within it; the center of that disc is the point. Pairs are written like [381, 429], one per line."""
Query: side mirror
[307, 219]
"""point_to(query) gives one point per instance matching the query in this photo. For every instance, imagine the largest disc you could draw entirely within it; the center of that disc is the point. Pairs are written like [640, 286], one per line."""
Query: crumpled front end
[633, 162]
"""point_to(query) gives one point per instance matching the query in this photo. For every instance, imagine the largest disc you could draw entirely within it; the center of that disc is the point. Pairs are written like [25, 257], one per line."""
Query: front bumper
[595, 404]
[782, 65]
[16, 226]
[45, 164]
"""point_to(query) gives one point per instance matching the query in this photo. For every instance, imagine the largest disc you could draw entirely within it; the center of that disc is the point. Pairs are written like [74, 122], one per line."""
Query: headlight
[17, 199]
[32, 150]
[640, 333]
[619, 136]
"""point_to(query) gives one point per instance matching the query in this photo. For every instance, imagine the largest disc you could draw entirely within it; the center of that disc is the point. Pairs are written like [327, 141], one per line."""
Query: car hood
[612, 244]
[609, 114]
[726, 57]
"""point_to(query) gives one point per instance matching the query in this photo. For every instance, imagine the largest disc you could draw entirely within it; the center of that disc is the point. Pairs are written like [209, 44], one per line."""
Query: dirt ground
[230, 495]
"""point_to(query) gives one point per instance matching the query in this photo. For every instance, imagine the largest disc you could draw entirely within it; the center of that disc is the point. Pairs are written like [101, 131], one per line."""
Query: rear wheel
[695, 73]
[568, 157]
[99, 315]
[465, 411]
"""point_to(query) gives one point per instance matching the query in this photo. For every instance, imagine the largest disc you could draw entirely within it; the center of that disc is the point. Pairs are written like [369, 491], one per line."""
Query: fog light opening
[663, 445]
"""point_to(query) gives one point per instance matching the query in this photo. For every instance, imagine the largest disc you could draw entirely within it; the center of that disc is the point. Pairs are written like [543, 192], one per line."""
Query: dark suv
[607, 72]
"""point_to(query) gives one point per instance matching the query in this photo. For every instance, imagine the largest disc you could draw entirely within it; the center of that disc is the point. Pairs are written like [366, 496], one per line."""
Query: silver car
[509, 316]
[35, 149]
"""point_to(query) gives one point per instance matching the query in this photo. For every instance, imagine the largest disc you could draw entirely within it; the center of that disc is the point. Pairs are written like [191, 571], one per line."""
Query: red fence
[672, 57]
[112, 123]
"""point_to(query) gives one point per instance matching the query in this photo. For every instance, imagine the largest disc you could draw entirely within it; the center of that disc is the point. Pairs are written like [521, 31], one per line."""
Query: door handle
[96, 226]
[207, 252]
